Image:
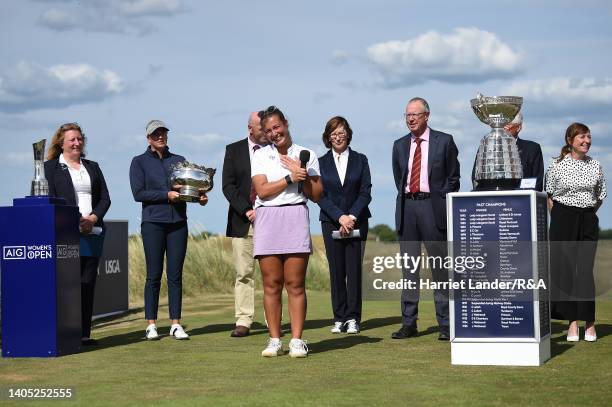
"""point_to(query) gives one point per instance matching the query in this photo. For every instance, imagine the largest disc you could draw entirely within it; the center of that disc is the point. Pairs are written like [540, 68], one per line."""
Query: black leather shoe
[240, 332]
[406, 331]
[444, 334]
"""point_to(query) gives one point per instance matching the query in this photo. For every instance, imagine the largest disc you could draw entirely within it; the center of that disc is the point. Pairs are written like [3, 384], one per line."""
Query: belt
[417, 196]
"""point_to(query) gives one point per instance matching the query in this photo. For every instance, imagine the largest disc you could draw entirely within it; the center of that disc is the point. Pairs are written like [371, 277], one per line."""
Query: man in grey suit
[425, 169]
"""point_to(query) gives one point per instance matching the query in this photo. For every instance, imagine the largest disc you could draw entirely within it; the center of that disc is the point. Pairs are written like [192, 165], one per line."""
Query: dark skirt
[573, 243]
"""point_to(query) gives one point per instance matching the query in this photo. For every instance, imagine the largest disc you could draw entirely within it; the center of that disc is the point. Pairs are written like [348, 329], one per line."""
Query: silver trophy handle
[40, 185]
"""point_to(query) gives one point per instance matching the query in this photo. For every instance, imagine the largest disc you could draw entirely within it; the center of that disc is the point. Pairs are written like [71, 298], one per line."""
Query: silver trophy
[40, 185]
[498, 164]
[192, 178]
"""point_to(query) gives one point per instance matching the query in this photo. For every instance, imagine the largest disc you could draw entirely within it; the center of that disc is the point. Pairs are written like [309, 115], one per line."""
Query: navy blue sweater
[150, 182]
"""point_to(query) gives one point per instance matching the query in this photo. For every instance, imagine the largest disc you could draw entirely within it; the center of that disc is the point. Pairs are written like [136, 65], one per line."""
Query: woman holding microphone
[285, 175]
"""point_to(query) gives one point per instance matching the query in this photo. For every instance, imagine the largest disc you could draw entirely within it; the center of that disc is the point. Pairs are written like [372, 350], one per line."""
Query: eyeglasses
[408, 116]
[338, 135]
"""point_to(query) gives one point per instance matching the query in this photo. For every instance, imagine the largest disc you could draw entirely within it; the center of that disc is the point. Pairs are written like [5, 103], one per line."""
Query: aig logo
[14, 252]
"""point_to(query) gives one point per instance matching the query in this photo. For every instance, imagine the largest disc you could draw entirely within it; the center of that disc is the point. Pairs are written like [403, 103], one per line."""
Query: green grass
[209, 268]
[366, 369]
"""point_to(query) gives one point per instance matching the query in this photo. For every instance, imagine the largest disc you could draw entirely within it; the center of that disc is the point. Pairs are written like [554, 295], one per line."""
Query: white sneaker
[177, 331]
[151, 333]
[298, 348]
[274, 348]
[337, 327]
[590, 338]
[352, 327]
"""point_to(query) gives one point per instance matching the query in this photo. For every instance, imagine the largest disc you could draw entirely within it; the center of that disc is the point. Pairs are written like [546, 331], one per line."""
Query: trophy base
[39, 188]
[189, 194]
[502, 184]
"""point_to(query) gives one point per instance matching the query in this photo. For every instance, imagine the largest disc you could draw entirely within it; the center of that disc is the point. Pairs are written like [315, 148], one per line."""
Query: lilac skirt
[281, 230]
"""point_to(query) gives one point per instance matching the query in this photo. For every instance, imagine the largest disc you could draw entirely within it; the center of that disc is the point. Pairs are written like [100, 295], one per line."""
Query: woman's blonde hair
[55, 148]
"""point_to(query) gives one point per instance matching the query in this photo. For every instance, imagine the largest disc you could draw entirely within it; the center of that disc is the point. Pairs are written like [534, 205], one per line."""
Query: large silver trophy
[40, 185]
[192, 178]
[498, 164]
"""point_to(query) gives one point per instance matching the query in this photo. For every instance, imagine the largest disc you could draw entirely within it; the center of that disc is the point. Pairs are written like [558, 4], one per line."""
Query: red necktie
[415, 173]
[253, 194]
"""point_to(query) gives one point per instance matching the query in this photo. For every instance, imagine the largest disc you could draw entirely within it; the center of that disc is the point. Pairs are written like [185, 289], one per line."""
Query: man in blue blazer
[530, 153]
[425, 169]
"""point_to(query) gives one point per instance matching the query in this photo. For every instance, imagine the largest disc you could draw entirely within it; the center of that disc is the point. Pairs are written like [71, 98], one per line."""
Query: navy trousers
[159, 239]
[420, 227]
[345, 270]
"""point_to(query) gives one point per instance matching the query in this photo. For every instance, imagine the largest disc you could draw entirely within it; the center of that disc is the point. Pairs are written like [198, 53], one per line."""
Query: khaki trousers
[244, 289]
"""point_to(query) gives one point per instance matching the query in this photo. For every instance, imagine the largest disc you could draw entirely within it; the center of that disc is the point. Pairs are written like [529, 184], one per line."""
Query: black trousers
[420, 227]
[574, 233]
[159, 239]
[345, 258]
[89, 274]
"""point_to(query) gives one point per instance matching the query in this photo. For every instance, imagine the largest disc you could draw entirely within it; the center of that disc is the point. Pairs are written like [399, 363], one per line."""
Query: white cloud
[564, 90]
[138, 8]
[29, 86]
[115, 16]
[58, 19]
[466, 55]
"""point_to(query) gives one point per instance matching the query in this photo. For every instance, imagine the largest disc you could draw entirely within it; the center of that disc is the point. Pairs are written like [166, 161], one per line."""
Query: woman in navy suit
[344, 221]
[81, 183]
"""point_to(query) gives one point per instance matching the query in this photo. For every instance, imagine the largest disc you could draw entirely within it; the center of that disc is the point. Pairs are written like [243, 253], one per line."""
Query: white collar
[343, 154]
[62, 160]
[289, 150]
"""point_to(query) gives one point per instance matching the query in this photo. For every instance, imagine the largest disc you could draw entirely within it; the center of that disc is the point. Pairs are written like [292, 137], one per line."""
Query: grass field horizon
[367, 369]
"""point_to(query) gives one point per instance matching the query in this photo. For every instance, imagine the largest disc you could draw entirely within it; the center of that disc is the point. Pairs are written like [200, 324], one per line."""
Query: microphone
[304, 157]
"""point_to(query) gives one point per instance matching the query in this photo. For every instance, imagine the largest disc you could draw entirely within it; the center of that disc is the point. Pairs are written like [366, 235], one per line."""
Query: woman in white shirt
[576, 187]
[281, 231]
[81, 183]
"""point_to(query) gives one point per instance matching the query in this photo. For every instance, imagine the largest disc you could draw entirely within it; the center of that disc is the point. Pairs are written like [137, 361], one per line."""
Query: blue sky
[112, 65]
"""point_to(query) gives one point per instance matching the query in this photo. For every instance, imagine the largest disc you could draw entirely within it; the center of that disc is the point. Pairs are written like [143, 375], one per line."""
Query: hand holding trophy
[193, 181]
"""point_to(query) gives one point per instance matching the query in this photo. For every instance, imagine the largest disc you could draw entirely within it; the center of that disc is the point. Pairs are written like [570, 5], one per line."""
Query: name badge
[528, 183]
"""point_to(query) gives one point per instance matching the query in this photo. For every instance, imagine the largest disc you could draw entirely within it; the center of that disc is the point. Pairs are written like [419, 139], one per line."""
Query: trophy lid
[496, 111]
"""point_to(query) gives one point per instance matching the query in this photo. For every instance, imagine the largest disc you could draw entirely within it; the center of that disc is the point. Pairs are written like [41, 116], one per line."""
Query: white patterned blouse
[578, 183]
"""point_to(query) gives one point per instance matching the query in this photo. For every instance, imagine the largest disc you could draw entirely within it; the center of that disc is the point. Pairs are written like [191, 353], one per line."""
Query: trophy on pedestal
[498, 164]
[40, 185]
[192, 178]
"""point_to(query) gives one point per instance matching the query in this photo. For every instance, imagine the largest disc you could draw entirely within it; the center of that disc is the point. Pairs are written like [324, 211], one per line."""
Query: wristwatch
[288, 179]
